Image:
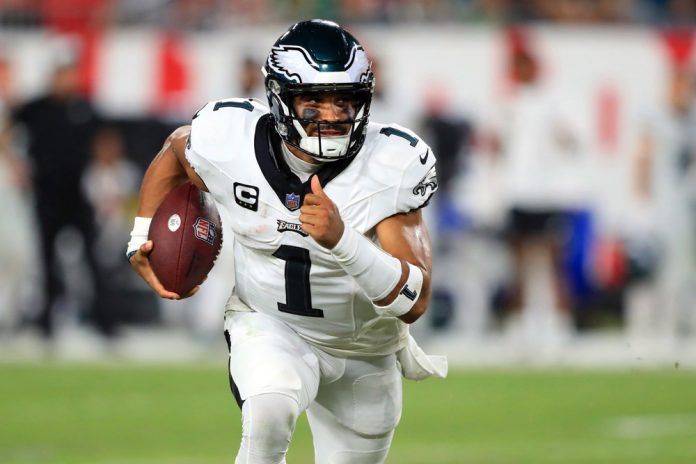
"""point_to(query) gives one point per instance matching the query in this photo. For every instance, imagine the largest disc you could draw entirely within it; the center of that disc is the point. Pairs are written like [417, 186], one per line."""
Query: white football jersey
[281, 271]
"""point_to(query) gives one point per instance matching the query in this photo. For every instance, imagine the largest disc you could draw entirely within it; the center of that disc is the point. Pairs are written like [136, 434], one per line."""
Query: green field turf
[170, 415]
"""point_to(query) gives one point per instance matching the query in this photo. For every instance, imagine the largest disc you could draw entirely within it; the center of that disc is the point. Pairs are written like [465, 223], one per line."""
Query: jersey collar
[285, 183]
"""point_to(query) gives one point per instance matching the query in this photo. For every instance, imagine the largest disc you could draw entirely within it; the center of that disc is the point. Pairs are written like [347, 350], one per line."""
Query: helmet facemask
[324, 140]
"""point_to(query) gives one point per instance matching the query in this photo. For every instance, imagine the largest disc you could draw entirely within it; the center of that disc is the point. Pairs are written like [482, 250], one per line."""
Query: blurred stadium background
[564, 230]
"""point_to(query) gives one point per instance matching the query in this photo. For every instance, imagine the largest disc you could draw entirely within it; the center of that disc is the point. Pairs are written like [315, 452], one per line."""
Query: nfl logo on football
[292, 201]
[204, 230]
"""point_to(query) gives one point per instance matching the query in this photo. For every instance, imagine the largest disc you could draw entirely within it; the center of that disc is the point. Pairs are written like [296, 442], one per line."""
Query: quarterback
[333, 260]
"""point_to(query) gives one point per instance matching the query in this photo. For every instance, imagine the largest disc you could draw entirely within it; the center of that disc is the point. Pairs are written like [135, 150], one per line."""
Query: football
[187, 236]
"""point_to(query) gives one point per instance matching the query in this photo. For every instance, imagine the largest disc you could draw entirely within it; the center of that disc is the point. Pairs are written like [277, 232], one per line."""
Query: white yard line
[658, 425]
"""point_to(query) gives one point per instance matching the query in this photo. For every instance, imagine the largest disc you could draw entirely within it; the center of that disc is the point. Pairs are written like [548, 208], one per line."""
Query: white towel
[416, 365]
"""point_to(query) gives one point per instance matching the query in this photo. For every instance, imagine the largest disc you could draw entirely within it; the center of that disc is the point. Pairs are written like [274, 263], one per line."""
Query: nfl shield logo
[204, 230]
[292, 201]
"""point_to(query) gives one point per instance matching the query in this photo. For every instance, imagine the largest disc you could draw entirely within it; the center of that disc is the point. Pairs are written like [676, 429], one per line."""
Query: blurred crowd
[200, 15]
[518, 210]
[69, 193]
[519, 248]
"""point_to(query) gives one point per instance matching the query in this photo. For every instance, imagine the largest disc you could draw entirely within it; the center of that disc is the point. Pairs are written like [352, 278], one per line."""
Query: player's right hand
[320, 217]
[141, 264]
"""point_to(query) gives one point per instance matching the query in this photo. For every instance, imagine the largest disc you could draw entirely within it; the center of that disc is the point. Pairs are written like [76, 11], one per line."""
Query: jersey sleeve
[218, 130]
[418, 182]
[413, 167]
[399, 171]
[197, 156]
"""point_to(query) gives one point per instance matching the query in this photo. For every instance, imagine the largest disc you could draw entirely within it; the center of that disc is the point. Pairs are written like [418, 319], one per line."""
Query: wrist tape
[375, 271]
[141, 228]
[407, 297]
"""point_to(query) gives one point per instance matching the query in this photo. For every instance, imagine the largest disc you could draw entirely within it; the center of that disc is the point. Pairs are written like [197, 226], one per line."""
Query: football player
[333, 260]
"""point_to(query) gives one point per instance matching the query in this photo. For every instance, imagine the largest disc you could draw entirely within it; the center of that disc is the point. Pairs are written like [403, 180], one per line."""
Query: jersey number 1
[298, 297]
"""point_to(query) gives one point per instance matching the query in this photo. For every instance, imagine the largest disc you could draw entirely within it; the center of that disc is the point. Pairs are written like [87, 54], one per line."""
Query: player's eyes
[310, 104]
[308, 99]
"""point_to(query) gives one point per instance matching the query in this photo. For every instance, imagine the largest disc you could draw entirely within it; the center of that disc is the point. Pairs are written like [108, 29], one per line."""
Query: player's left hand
[320, 217]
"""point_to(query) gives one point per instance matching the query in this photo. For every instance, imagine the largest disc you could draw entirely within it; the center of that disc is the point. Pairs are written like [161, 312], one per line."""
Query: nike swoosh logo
[423, 159]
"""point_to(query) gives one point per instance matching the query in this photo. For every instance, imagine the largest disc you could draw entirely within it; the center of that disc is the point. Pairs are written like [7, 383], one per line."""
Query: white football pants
[353, 405]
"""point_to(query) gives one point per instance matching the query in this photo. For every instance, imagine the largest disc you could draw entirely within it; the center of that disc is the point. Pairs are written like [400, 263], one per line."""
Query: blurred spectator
[480, 194]
[59, 127]
[16, 258]
[449, 134]
[251, 80]
[662, 247]
[110, 183]
[544, 186]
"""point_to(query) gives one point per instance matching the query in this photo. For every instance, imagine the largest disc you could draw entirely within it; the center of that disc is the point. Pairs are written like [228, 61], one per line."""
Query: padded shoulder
[222, 139]
[221, 124]
[403, 163]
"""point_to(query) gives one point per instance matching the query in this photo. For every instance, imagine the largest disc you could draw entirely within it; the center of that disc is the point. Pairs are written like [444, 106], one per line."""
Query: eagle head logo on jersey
[427, 185]
[204, 230]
